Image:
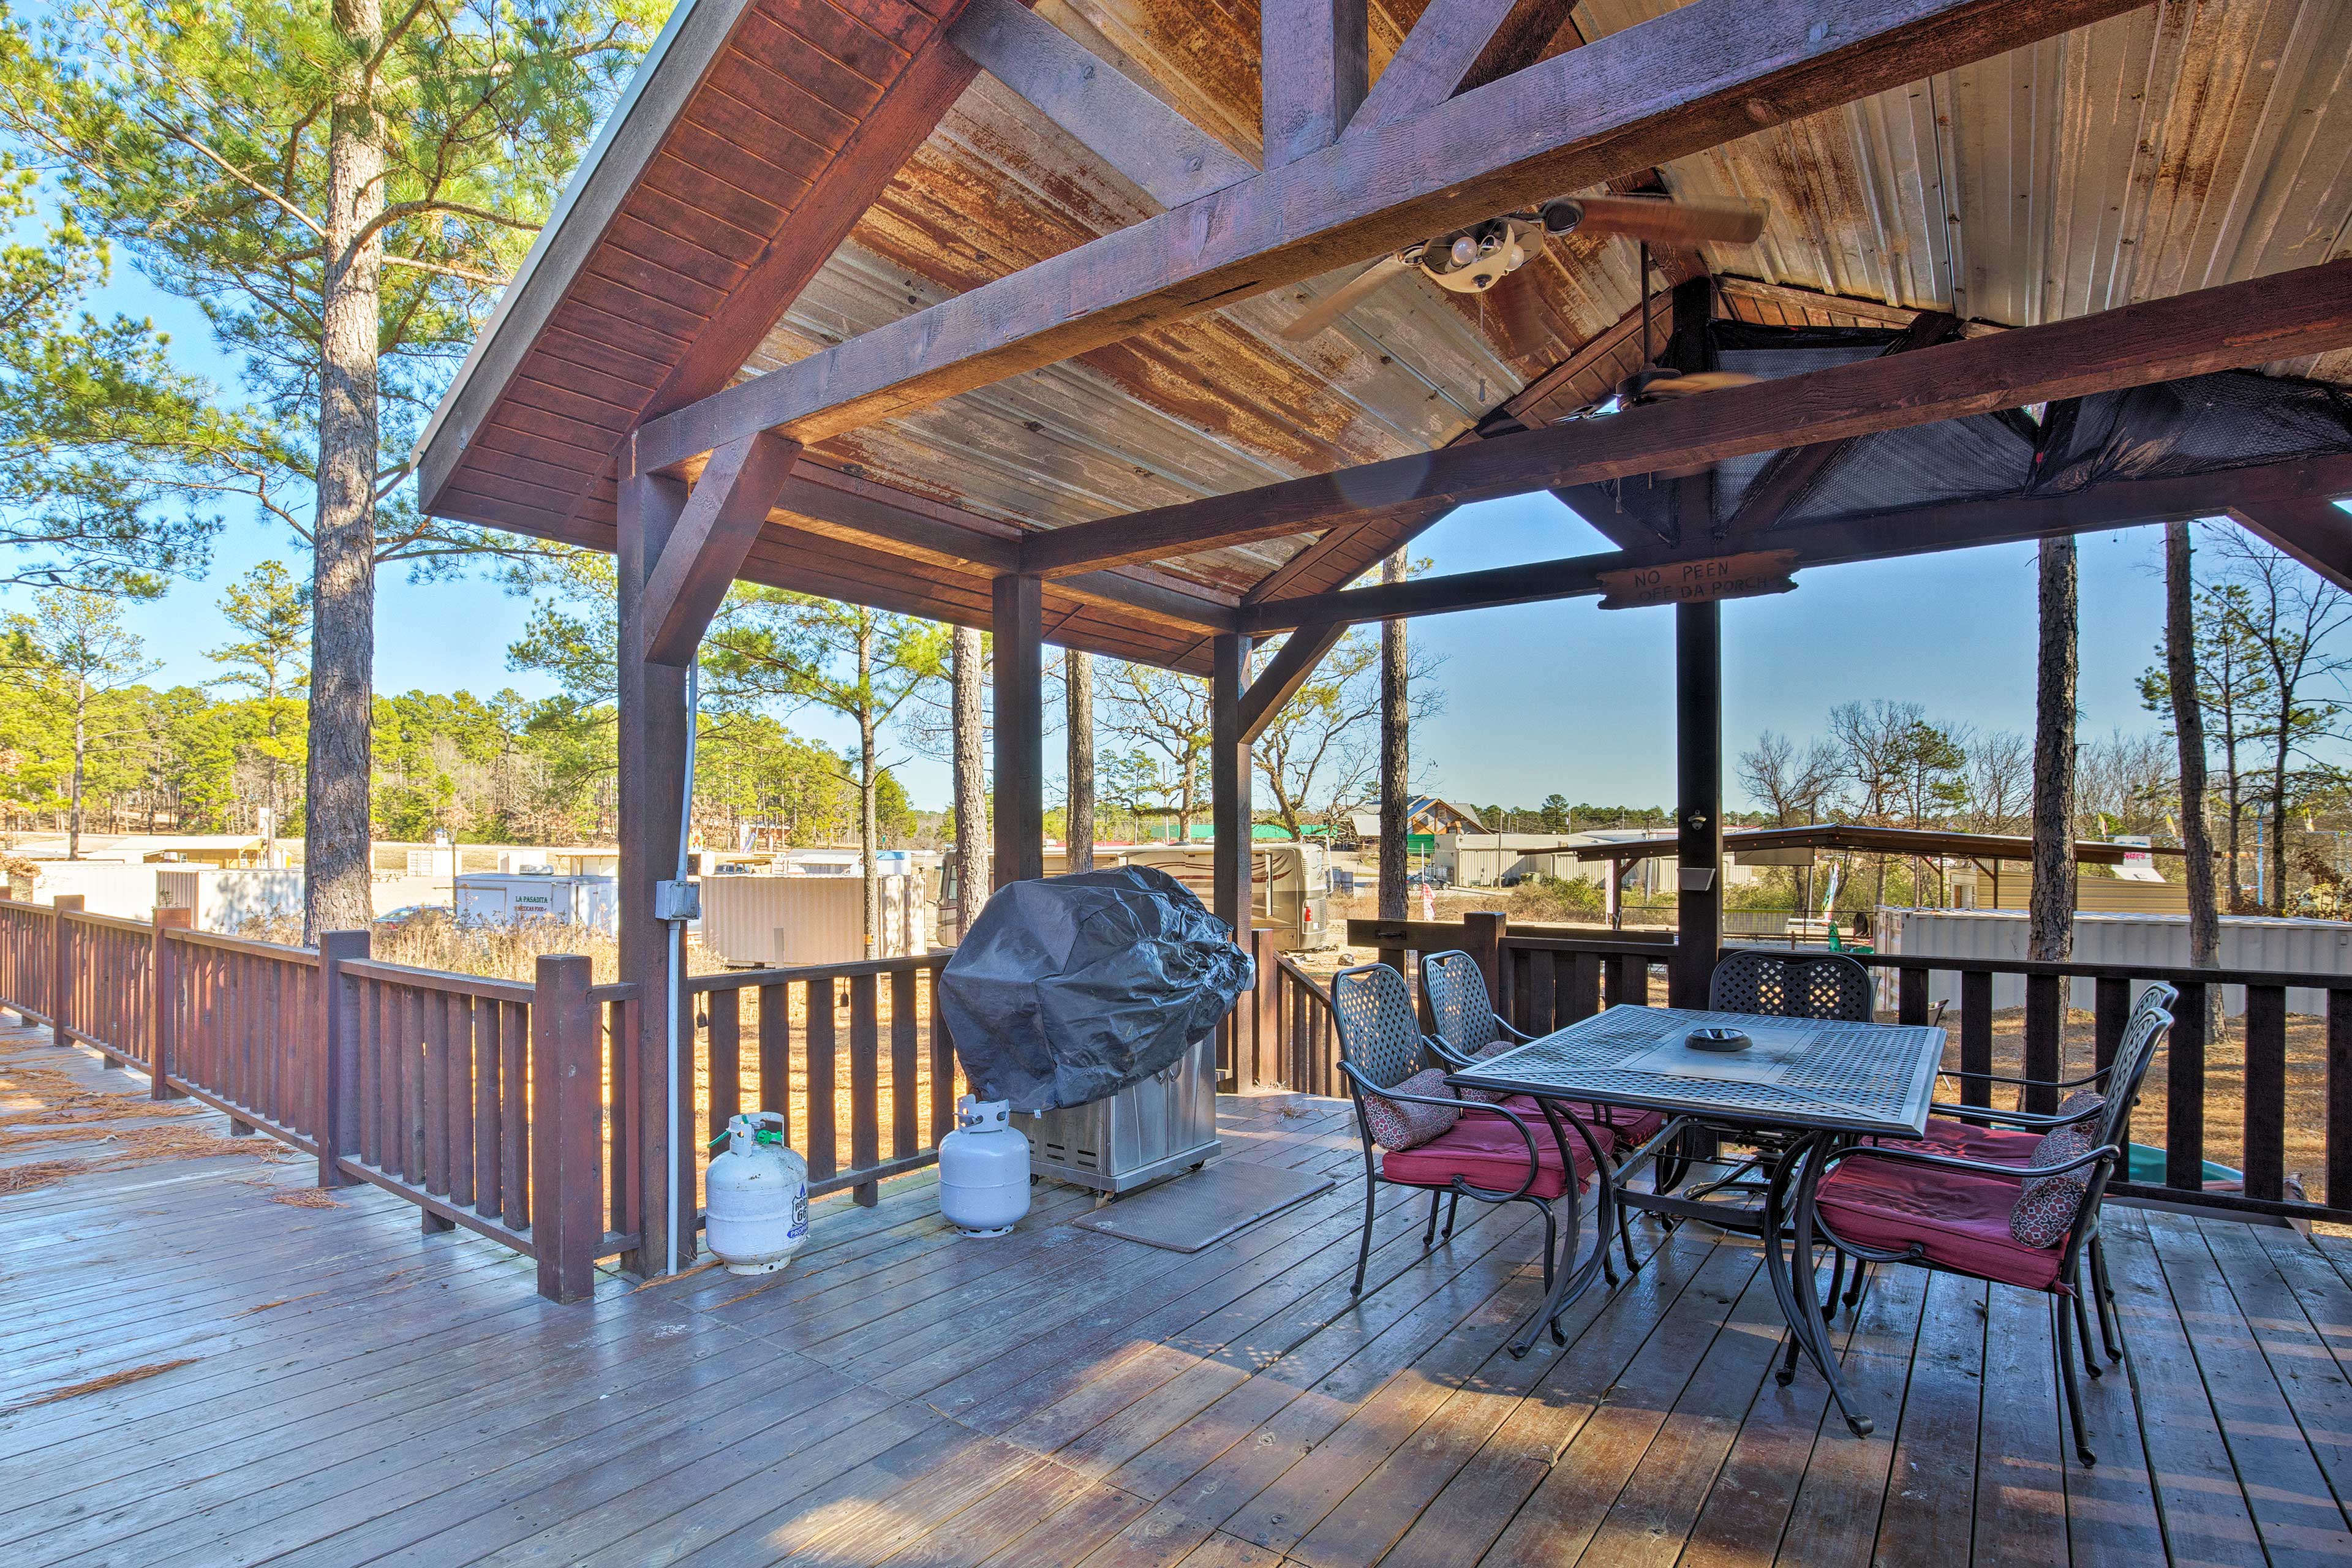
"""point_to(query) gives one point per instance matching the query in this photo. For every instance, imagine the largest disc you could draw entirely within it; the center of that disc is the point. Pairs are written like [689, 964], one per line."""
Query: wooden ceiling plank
[1429, 67]
[2274, 490]
[722, 517]
[1172, 160]
[1315, 61]
[2308, 310]
[1652, 92]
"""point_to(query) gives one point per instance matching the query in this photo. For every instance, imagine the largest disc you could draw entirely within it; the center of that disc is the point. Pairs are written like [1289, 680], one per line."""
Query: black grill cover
[1067, 990]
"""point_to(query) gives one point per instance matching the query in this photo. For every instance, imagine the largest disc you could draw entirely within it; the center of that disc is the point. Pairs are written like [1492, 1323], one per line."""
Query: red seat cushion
[1625, 1127]
[1956, 1217]
[1488, 1152]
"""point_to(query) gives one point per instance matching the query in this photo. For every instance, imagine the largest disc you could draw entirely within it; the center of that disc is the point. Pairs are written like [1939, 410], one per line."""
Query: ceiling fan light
[1561, 217]
[1464, 251]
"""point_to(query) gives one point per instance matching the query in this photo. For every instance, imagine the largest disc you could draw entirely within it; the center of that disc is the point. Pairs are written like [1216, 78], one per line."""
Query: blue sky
[1539, 698]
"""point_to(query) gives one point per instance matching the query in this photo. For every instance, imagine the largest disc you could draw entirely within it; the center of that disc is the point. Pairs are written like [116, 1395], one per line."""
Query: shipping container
[762, 922]
[502, 899]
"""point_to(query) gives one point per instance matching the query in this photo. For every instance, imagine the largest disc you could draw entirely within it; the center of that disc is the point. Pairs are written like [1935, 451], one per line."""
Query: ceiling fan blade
[1664, 220]
[1342, 300]
[1699, 382]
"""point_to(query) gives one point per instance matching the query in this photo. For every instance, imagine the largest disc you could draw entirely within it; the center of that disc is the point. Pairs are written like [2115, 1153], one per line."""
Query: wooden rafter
[2276, 492]
[1315, 61]
[1290, 668]
[1649, 93]
[2280, 317]
[1172, 160]
[2312, 529]
[1433, 60]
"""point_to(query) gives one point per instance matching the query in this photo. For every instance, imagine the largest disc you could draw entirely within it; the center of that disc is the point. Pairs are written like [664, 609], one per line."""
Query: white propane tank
[756, 1197]
[985, 1169]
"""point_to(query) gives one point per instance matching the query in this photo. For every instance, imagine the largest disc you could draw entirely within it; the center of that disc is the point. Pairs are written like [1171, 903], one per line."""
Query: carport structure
[976, 312]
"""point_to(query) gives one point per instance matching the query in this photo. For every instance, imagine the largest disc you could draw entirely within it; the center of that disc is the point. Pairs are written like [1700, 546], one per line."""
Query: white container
[492, 898]
[759, 921]
[985, 1169]
[755, 1198]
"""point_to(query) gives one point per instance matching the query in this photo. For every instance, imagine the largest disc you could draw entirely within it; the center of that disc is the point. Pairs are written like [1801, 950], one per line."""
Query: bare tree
[1999, 780]
[1163, 715]
[2050, 921]
[2189, 738]
[1319, 755]
[1872, 740]
[1396, 756]
[1794, 786]
[969, 719]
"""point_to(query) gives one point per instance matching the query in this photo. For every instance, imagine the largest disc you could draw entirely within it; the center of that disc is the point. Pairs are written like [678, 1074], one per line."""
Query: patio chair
[1888, 1202]
[1791, 985]
[1468, 1030]
[1488, 1152]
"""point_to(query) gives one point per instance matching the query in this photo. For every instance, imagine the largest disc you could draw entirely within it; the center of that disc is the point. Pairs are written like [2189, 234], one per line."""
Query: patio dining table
[1803, 1087]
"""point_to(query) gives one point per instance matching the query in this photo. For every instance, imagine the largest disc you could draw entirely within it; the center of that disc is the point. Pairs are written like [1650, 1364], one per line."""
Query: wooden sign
[1742, 576]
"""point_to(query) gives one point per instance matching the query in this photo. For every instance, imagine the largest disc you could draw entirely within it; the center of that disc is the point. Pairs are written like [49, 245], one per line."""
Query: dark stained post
[163, 1004]
[1482, 938]
[61, 973]
[1315, 54]
[652, 746]
[567, 1188]
[1229, 784]
[338, 1069]
[1698, 796]
[1017, 606]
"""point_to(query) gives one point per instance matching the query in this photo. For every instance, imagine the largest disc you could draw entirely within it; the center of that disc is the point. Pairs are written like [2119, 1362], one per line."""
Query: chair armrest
[2104, 1153]
[2025, 1118]
[1466, 1107]
[2031, 1082]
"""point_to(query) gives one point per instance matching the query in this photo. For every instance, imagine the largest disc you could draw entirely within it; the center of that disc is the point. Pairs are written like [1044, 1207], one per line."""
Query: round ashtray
[1717, 1039]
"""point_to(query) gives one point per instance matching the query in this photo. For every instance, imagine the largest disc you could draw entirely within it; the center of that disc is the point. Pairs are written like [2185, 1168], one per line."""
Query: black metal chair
[1467, 1029]
[1791, 985]
[1381, 1045]
[1894, 1203]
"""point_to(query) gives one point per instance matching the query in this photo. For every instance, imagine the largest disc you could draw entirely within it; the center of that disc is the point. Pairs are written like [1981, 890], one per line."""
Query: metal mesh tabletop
[1800, 1072]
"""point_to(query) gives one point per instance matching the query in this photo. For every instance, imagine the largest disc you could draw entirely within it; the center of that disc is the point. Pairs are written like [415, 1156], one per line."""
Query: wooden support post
[1316, 63]
[60, 971]
[2045, 1024]
[1229, 786]
[652, 758]
[567, 1189]
[2184, 1092]
[1482, 938]
[339, 1071]
[1018, 609]
[164, 1002]
[1698, 810]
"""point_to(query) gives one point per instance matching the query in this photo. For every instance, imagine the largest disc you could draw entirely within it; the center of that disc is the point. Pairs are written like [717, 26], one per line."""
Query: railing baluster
[1543, 992]
[462, 1089]
[823, 1152]
[1911, 996]
[2184, 1092]
[1976, 1034]
[514, 1113]
[776, 1053]
[864, 1085]
[2045, 1026]
[2264, 1159]
[906, 1136]
[489, 1128]
[2339, 1097]
[943, 1064]
[725, 1034]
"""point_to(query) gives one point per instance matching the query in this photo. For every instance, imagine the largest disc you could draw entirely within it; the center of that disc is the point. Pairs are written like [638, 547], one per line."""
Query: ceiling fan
[1473, 260]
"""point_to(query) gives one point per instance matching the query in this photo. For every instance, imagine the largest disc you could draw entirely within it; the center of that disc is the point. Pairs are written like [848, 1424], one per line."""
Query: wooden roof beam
[2283, 316]
[1431, 63]
[1694, 78]
[2274, 489]
[1314, 62]
[1292, 664]
[2312, 529]
[1170, 158]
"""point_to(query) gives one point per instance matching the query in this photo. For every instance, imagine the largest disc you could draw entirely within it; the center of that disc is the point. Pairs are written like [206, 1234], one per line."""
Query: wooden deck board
[357, 1392]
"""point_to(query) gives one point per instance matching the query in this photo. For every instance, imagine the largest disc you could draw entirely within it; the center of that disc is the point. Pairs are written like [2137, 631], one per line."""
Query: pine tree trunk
[82, 754]
[1078, 681]
[336, 863]
[968, 720]
[2050, 932]
[2188, 727]
[1395, 756]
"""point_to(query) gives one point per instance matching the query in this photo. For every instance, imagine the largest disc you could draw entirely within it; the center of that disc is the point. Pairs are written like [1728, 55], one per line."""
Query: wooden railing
[1544, 982]
[830, 1046]
[506, 1107]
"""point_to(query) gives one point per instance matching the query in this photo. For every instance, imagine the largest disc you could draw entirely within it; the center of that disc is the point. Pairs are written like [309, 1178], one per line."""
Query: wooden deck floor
[339, 1389]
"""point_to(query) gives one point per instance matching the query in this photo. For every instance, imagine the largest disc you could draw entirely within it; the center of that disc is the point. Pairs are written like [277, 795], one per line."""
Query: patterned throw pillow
[1397, 1124]
[1489, 1096]
[2046, 1205]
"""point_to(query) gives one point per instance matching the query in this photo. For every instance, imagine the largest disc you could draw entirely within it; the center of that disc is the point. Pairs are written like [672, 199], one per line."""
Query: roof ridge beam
[2284, 316]
[1691, 79]
[1108, 113]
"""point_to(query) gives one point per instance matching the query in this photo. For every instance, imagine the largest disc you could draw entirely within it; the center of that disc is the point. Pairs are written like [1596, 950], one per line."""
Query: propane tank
[985, 1169]
[756, 1196]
